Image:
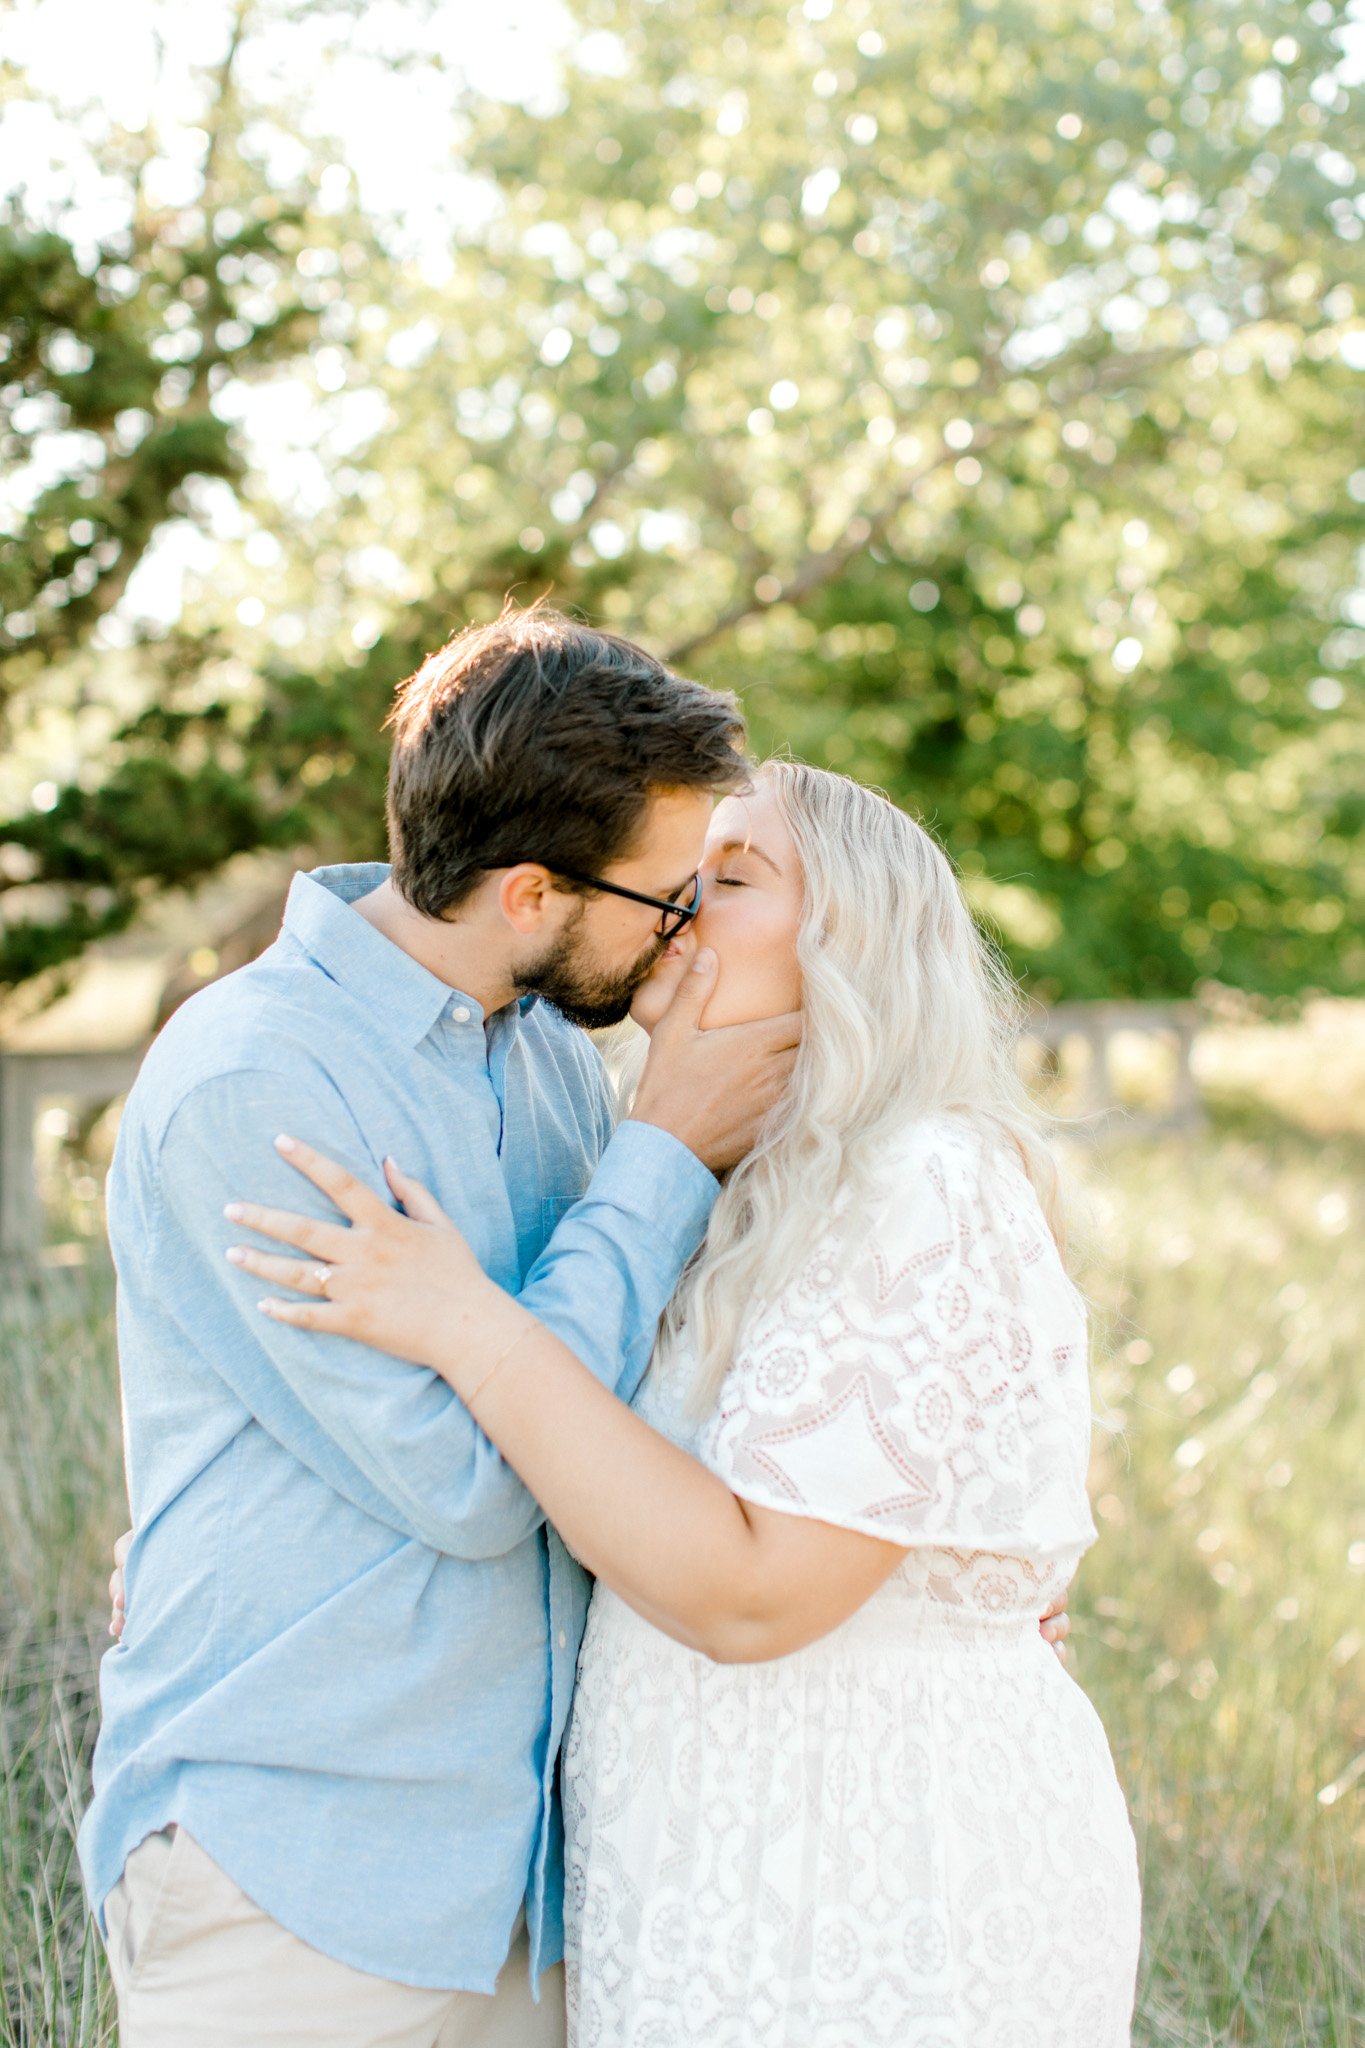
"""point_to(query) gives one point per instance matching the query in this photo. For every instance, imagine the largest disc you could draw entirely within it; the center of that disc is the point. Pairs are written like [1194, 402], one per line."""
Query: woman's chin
[649, 1006]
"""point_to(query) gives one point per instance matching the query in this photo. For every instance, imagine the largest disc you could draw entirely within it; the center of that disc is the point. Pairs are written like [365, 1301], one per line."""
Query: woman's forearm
[739, 1582]
[650, 1521]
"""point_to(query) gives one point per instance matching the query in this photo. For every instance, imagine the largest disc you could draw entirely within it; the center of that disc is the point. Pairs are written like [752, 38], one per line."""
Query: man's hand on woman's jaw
[712, 1089]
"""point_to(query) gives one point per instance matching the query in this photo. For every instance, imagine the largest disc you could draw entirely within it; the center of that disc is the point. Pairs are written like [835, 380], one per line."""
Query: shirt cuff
[655, 1178]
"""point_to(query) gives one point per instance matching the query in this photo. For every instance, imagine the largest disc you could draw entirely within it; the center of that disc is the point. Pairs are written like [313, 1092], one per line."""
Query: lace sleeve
[924, 1377]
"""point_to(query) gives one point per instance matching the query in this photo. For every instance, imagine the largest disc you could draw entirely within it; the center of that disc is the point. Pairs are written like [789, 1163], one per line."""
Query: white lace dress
[909, 1833]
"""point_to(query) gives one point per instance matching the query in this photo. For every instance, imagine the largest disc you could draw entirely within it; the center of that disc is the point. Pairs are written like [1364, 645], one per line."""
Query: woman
[823, 1782]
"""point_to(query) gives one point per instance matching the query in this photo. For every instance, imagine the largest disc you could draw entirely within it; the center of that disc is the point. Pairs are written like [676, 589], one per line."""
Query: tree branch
[818, 569]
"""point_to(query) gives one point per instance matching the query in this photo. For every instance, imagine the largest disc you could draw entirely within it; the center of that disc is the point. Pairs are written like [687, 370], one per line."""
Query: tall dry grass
[1221, 1618]
[61, 1504]
[1219, 1621]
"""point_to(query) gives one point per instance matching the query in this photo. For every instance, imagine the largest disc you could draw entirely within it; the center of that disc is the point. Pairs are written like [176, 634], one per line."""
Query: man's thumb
[696, 985]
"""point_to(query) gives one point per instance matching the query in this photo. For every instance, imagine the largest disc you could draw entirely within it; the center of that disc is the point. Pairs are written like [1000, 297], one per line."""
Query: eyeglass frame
[675, 915]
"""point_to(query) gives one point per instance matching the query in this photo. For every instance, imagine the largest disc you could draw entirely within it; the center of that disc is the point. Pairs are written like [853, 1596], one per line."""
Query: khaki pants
[197, 1965]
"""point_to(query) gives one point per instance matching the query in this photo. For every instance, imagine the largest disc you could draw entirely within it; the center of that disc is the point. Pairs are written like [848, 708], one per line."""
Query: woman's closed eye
[728, 882]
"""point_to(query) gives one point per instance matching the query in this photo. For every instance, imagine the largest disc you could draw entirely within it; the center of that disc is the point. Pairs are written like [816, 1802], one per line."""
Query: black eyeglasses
[675, 915]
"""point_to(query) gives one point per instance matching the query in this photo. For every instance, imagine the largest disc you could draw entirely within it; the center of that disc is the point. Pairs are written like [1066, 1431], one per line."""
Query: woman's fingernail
[235, 1255]
[267, 1308]
[704, 961]
[234, 1212]
[286, 1144]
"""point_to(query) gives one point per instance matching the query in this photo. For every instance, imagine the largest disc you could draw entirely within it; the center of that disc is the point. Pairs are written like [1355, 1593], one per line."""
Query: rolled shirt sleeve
[605, 1277]
[389, 1436]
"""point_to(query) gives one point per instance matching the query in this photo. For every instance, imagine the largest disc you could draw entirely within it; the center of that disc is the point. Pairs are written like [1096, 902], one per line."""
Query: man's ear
[526, 896]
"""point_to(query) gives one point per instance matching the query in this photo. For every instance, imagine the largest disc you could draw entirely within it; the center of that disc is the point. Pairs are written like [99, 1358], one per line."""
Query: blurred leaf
[973, 388]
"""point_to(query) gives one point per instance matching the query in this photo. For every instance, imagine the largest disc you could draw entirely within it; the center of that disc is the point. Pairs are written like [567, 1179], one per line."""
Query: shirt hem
[100, 1884]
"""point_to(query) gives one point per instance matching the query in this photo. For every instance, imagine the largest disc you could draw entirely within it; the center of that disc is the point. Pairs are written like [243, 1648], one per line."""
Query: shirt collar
[361, 960]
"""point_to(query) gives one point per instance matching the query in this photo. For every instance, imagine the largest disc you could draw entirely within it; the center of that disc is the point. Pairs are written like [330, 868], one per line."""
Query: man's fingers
[693, 991]
[769, 1036]
[1055, 1627]
[116, 1592]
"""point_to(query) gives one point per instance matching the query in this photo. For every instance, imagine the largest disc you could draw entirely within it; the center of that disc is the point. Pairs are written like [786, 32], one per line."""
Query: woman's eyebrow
[747, 846]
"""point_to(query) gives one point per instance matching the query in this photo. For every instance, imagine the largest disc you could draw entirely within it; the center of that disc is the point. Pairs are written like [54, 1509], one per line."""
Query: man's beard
[580, 989]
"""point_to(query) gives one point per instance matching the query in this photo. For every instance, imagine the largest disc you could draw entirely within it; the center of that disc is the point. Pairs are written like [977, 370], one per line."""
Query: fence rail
[91, 1079]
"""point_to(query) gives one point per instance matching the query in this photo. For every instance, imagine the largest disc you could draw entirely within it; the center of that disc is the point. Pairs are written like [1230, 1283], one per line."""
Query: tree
[972, 388]
[115, 360]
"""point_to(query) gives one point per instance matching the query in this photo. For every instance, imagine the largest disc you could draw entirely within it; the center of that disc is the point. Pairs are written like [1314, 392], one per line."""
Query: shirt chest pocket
[538, 1226]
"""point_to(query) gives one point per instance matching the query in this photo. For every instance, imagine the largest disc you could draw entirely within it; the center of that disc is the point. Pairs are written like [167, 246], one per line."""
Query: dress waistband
[888, 1624]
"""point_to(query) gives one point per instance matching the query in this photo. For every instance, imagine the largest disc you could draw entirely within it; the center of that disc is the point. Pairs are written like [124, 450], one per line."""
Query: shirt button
[563, 1640]
[461, 1015]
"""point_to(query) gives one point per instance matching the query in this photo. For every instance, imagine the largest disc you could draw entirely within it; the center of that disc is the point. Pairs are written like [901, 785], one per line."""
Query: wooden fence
[91, 1079]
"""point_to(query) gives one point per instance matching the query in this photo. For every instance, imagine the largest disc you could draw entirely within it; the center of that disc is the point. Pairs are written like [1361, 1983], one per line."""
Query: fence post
[20, 1214]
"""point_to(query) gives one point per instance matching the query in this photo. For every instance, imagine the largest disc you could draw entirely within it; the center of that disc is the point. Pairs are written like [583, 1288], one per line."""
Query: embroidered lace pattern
[910, 1832]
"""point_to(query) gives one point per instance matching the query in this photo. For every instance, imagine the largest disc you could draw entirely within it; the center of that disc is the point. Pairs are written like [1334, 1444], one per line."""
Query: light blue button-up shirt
[351, 1637]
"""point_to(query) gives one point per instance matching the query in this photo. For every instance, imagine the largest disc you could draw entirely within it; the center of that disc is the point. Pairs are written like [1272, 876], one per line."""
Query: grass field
[1220, 1621]
[1220, 1616]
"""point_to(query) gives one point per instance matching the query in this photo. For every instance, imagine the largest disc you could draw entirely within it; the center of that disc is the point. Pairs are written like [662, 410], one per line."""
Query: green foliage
[85, 351]
[974, 388]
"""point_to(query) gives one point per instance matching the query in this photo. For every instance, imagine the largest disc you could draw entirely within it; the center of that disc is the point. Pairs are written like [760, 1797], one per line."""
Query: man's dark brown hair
[536, 738]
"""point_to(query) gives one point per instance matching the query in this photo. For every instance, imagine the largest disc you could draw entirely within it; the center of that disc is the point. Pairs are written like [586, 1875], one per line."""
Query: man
[324, 1788]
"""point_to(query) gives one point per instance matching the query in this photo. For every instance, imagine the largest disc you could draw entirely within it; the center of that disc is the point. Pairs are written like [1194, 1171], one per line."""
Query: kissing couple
[780, 1351]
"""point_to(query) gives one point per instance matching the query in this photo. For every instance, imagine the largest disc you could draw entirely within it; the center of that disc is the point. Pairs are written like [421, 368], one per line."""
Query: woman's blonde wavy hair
[907, 1010]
